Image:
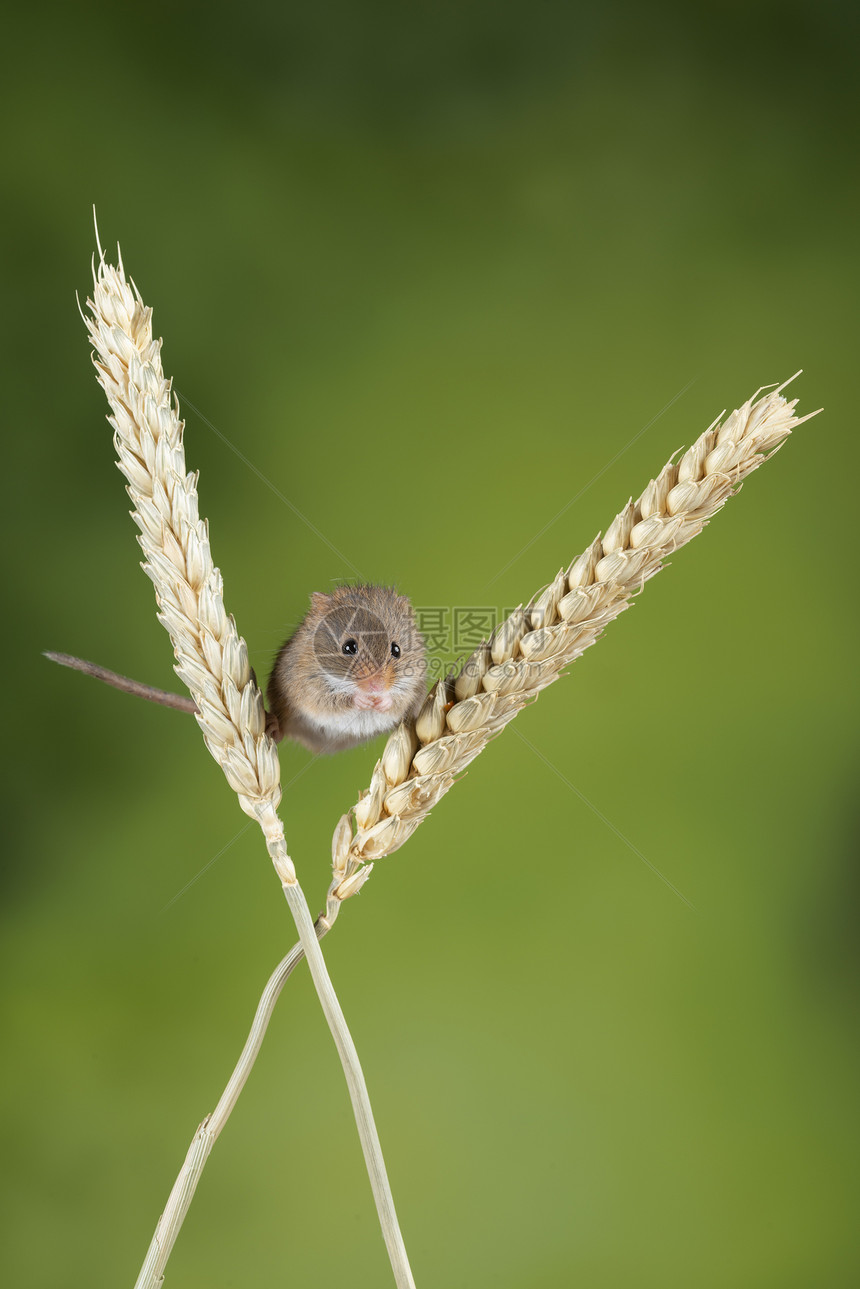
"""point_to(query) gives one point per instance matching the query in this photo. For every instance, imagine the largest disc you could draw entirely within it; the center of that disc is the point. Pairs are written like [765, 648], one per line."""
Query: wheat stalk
[212, 660]
[558, 624]
[528, 651]
[421, 760]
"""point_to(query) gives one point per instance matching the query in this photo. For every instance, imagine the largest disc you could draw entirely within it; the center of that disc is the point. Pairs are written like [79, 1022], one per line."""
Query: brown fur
[312, 688]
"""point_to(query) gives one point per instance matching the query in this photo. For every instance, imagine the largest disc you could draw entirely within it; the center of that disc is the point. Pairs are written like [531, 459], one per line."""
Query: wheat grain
[211, 656]
[530, 648]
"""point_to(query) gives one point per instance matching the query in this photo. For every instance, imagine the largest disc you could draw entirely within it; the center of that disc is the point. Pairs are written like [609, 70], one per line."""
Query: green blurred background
[431, 269]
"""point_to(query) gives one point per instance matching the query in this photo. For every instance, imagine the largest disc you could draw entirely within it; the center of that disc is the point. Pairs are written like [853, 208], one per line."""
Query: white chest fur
[353, 725]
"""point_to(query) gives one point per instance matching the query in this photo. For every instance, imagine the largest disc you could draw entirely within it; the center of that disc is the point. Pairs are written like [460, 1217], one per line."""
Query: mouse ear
[320, 603]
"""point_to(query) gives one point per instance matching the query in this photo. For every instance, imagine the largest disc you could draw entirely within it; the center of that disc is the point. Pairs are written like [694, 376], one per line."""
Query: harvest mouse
[354, 668]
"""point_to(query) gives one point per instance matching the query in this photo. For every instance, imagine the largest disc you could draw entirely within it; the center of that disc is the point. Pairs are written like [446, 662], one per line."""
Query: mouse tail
[125, 683]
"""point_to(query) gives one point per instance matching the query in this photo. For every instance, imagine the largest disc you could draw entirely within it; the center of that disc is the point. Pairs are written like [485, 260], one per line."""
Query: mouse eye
[395, 650]
[349, 646]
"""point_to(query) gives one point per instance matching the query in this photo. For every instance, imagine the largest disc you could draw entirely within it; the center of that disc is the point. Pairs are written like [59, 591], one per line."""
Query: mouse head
[368, 647]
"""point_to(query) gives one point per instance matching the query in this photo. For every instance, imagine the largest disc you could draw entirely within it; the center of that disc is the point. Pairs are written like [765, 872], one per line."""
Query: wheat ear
[212, 660]
[528, 651]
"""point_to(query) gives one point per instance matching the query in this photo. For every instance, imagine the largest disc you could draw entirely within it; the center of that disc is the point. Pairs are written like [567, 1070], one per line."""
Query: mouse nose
[372, 693]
